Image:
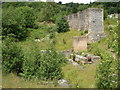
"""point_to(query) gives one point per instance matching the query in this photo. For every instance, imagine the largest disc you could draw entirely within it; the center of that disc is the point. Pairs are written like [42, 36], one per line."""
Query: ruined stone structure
[90, 19]
[79, 43]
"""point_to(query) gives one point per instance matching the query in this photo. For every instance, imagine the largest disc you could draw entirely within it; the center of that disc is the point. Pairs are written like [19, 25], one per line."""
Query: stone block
[95, 57]
[67, 53]
[79, 43]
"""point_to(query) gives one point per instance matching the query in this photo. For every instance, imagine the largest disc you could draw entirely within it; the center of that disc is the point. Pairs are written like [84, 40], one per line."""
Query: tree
[12, 56]
[17, 20]
[107, 72]
[43, 65]
[51, 63]
[28, 15]
[72, 7]
[62, 25]
[48, 11]
[60, 2]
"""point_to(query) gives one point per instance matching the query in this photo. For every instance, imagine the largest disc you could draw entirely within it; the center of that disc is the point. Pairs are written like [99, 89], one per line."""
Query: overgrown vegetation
[33, 64]
[43, 66]
[25, 22]
[107, 71]
[17, 20]
[12, 56]
[62, 25]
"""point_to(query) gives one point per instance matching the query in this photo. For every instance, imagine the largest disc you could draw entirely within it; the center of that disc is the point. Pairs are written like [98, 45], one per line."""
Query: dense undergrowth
[107, 70]
[107, 48]
[32, 64]
[24, 36]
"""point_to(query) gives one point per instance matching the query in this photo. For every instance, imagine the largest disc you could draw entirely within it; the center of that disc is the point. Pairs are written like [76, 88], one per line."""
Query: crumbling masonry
[90, 19]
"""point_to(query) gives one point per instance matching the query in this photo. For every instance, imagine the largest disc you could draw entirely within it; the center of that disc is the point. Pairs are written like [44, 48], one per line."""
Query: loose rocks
[63, 83]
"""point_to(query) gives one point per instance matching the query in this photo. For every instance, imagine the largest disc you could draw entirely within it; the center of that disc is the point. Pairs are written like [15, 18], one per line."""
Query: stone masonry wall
[96, 27]
[90, 19]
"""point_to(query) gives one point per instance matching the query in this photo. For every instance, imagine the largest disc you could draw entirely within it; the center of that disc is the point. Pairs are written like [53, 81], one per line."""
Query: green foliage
[84, 32]
[113, 39]
[52, 35]
[47, 12]
[51, 65]
[60, 15]
[28, 15]
[64, 41]
[107, 70]
[43, 66]
[62, 25]
[12, 56]
[30, 63]
[72, 7]
[105, 14]
[107, 73]
[17, 20]
[18, 17]
[83, 7]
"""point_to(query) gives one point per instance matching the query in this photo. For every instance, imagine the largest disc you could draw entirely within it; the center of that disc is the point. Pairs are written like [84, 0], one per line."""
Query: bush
[62, 25]
[12, 56]
[51, 63]
[107, 69]
[30, 63]
[107, 73]
[47, 12]
[44, 66]
[17, 20]
[28, 15]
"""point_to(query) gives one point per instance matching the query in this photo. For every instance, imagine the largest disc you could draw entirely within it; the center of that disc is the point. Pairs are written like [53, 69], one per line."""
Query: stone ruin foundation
[79, 43]
[90, 19]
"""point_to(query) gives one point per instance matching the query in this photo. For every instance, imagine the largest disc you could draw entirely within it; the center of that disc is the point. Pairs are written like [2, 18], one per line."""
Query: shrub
[47, 12]
[28, 15]
[62, 25]
[50, 67]
[107, 73]
[44, 66]
[107, 70]
[30, 63]
[17, 20]
[12, 56]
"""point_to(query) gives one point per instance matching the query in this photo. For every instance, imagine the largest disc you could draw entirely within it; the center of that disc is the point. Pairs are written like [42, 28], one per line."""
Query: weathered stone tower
[95, 25]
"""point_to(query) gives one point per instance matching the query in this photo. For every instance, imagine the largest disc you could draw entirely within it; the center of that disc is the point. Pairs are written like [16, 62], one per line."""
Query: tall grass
[81, 76]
